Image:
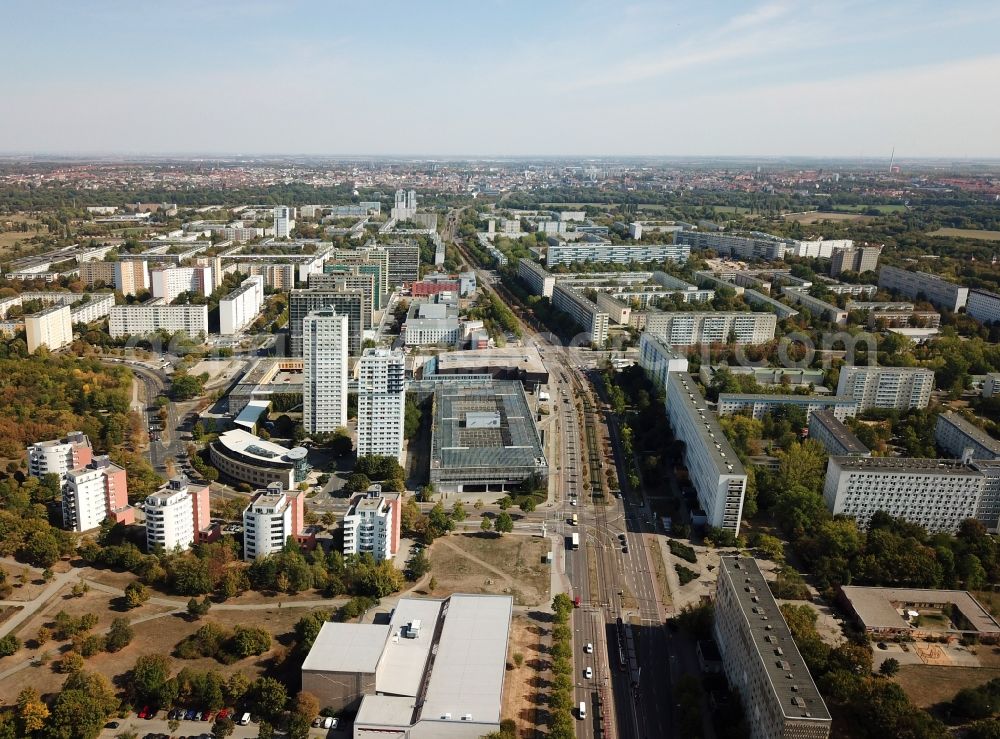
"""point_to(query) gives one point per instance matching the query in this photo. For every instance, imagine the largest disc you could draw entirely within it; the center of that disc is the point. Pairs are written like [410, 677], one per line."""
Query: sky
[502, 77]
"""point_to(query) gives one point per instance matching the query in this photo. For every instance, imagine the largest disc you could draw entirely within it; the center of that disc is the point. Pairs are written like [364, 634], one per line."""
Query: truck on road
[575, 541]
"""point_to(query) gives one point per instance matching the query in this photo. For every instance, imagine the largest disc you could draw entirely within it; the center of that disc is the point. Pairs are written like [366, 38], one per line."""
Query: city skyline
[505, 79]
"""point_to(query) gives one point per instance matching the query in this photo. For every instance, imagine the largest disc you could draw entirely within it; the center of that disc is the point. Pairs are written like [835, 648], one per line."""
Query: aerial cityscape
[503, 371]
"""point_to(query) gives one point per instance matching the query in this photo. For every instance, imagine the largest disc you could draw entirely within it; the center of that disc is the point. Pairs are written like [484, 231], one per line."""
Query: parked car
[190, 714]
[328, 722]
[317, 722]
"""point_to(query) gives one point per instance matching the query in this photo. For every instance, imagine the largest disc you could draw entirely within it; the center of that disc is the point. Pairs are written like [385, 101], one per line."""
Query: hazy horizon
[506, 78]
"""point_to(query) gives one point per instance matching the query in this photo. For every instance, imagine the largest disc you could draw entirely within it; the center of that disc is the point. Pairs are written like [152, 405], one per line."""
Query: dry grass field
[525, 686]
[928, 685]
[966, 233]
[815, 216]
[474, 563]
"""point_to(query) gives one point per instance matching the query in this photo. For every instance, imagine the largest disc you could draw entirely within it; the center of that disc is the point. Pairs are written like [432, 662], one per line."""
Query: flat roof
[971, 430]
[341, 647]
[251, 413]
[876, 608]
[386, 710]
[245, 443]
[524, 358]
[514, 443]
[850, 443]
[471, 659]
[916, 465]
[710, 433]
[404, 661]
[790, 681]
[789, 398]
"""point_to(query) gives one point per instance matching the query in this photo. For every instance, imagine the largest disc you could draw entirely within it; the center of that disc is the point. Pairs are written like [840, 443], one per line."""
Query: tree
[236, 687]
[119, 635]
[196, 609]
[70, 662]
[31, 711]
[503, 524]
[269, 696]
[306, 704]
[223, 727]
[889, 667]
[357, 483]
[8, 645]
[135, 595]
[251, 640]
[485, 524]
[458, 511]
[149, 681]
[265, 731]
[505, 502]
[419, 565]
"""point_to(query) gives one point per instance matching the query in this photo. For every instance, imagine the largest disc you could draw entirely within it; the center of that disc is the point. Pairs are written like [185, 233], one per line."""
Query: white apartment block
[617, 311]
[761, 660]
[404, 263]
[148, 318]
[757, 405]
[324, 358]
[991, 385]
[943, 294]
[242, 306]
[84, 308]
[371, 525]
[175, 514]
[827, 311]
[583, 251]
[659, 360]
[272, 516]
[132, 276]
[381, 403]
[938, 494]
[901, 388]
[52, 328]
[538, 279]
[582, 310]
[963, 439]
[713, 467]
[169, 282]
[684, 328]
[93, 493]
[428, 324]
[284, 223]
[983, 306]
[59, 456]
[761, 246]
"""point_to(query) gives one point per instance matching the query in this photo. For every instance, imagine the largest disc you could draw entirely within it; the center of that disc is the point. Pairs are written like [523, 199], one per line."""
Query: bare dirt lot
[815, 216]
[474, 563]
[525, 686]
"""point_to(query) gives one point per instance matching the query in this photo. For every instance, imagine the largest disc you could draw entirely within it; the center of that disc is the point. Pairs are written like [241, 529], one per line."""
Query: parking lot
[196, 729]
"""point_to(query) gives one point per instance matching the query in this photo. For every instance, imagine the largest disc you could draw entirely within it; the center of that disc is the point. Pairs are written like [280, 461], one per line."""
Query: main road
[612, 575]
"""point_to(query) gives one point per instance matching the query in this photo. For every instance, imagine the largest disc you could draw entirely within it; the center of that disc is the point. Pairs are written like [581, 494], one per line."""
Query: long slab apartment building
[585, 251]
[756, 245]
[713, 467]
[584, 311]
[684, 328]
[942, 293]
[760, 658]
[901, 388]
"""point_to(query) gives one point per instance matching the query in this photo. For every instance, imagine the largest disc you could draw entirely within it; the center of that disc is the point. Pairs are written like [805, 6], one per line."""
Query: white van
[244, 719]
[583, 710]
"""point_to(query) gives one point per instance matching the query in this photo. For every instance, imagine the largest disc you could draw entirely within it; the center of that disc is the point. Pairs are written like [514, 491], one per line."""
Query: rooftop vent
[467, 717]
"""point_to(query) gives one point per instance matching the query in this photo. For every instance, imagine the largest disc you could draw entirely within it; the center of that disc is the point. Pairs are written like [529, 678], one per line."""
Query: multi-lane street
[611, 575]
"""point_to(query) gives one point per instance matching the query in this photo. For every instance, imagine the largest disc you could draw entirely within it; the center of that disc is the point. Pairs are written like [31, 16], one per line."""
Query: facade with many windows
[761, 660]
[943, 294]
[956, 435]
[901, 388]
[381, 403]
[714, 469]
[372, 524]
[684, 328]
[938, 494]
[176, 514]
[272, 516]
[324, 361]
